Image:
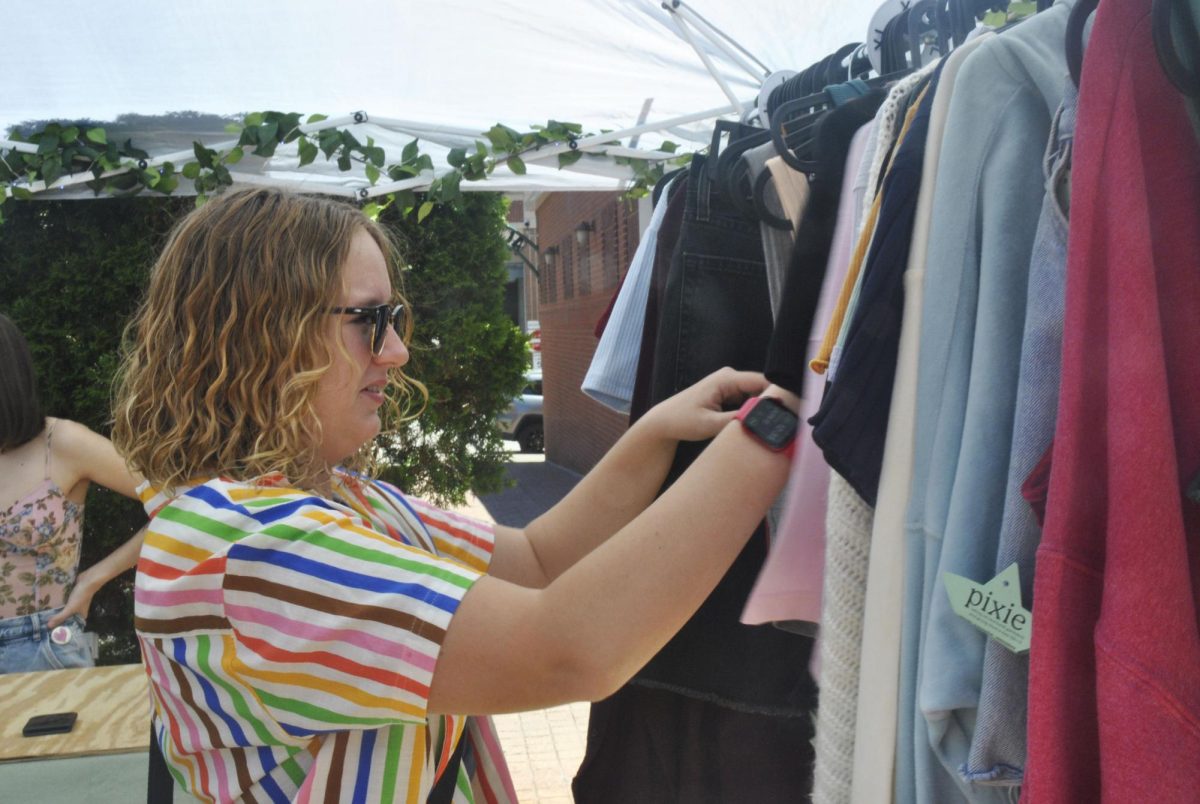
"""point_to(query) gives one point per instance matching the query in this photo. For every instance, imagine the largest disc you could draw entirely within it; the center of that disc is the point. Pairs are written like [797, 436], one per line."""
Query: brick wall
[576, 286]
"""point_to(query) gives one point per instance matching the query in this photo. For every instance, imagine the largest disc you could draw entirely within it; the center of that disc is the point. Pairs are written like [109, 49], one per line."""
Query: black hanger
[759, 196]
[793, 128]
[962, 16]
[894, 50]
[732, 179]
[923, 19]
[860, 63]
[837, 71]
[1074, 38]
[722, 128]
[662, 183]
[730, 173]
[1162, 14]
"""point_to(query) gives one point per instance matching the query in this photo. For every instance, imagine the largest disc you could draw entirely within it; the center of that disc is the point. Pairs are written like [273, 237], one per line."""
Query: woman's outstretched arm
[622, 484]
[511, 648]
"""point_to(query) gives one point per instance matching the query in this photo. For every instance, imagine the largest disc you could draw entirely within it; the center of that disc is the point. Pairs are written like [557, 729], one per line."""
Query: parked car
[522, 422]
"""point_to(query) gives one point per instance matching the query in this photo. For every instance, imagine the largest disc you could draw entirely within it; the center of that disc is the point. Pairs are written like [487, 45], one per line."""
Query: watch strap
[770, 441]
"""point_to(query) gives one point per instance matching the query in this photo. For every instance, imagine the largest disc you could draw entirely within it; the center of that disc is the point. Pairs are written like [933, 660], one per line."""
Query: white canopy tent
[441, 71]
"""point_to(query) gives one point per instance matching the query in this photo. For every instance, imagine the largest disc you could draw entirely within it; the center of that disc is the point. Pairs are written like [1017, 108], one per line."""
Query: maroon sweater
[1114, 691]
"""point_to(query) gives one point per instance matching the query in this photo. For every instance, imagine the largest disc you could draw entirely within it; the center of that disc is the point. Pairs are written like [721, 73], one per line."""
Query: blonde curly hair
[222, 359]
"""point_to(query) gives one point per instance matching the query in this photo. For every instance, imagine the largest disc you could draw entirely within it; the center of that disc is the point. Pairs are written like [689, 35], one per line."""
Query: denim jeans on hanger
[719, 693]
[716, 312]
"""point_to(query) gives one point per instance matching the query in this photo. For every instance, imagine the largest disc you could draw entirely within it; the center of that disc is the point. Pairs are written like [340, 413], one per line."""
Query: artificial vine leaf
[61, 149]
[289, 124]
[136, 153]
[308, 151]
[450, 186]
[203, 155]
[329, 139]
[316, 118]
[375, 155]
[568, 158]
[503, 137]
[51, 169]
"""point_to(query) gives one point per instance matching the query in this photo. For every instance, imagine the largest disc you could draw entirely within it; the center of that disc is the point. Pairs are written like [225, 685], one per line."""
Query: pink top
[789, 585]
[40, 536]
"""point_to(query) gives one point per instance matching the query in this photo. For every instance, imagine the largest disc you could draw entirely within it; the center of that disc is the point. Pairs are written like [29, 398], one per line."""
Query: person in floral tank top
[46, 467]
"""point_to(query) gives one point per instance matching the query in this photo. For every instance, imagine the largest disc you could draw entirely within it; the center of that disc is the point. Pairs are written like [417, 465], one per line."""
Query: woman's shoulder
[270, 497]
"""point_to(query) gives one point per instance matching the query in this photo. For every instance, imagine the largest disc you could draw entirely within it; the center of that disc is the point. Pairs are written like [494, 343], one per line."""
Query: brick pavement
[543, 748]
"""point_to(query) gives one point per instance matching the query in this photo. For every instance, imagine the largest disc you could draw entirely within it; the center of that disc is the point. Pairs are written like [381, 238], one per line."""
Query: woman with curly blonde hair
[313, 634]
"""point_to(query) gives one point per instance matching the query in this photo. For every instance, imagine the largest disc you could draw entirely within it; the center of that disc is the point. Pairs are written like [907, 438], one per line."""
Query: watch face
[771, 422]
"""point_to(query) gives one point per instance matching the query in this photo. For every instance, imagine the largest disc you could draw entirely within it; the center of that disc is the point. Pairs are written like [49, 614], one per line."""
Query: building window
[549, 278]
[610, 257]
[567, 254]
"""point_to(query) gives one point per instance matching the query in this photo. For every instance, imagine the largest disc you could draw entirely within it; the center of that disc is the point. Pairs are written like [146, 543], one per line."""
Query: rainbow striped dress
[291, 639]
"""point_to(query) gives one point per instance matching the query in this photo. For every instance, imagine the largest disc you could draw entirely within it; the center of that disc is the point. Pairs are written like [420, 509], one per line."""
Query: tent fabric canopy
[440, 71]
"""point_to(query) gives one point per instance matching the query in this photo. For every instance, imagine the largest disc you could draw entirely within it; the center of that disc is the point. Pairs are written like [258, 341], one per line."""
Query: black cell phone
[57, 723]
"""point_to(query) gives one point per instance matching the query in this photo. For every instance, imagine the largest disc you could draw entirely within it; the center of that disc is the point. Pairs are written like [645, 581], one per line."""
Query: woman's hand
[80, 599]
[698, 412]
[88, 582]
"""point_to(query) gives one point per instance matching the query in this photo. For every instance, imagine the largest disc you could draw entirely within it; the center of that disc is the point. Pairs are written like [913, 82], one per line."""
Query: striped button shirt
[291, 639]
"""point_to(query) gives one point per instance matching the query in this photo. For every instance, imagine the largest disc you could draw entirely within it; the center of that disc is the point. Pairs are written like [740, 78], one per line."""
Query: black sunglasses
[380, 317]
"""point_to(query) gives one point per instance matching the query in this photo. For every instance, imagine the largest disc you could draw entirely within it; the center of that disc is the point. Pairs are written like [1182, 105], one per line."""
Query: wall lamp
[582, 232]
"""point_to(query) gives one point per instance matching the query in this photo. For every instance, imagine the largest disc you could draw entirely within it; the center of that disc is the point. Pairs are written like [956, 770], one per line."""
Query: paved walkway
[543, 748]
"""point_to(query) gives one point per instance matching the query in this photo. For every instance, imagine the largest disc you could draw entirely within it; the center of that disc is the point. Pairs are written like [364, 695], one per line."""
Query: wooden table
[113, 705]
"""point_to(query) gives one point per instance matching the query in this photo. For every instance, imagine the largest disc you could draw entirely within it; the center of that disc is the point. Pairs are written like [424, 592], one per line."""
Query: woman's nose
[395, 353]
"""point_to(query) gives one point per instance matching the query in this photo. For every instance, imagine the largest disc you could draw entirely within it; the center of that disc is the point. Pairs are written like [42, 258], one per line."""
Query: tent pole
[22, 147]
[613, 136]
[71, 179]
[413, 126]
[713, 32]
[712, 70]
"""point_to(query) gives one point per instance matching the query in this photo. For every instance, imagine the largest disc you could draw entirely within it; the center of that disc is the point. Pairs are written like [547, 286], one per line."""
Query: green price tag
[993, 607]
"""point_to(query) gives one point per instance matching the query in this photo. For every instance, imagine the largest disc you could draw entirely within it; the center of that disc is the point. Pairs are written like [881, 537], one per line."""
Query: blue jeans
[26, 646]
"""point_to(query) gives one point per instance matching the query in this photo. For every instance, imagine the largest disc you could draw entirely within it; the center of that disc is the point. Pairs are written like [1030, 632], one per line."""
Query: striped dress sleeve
[338, 626]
